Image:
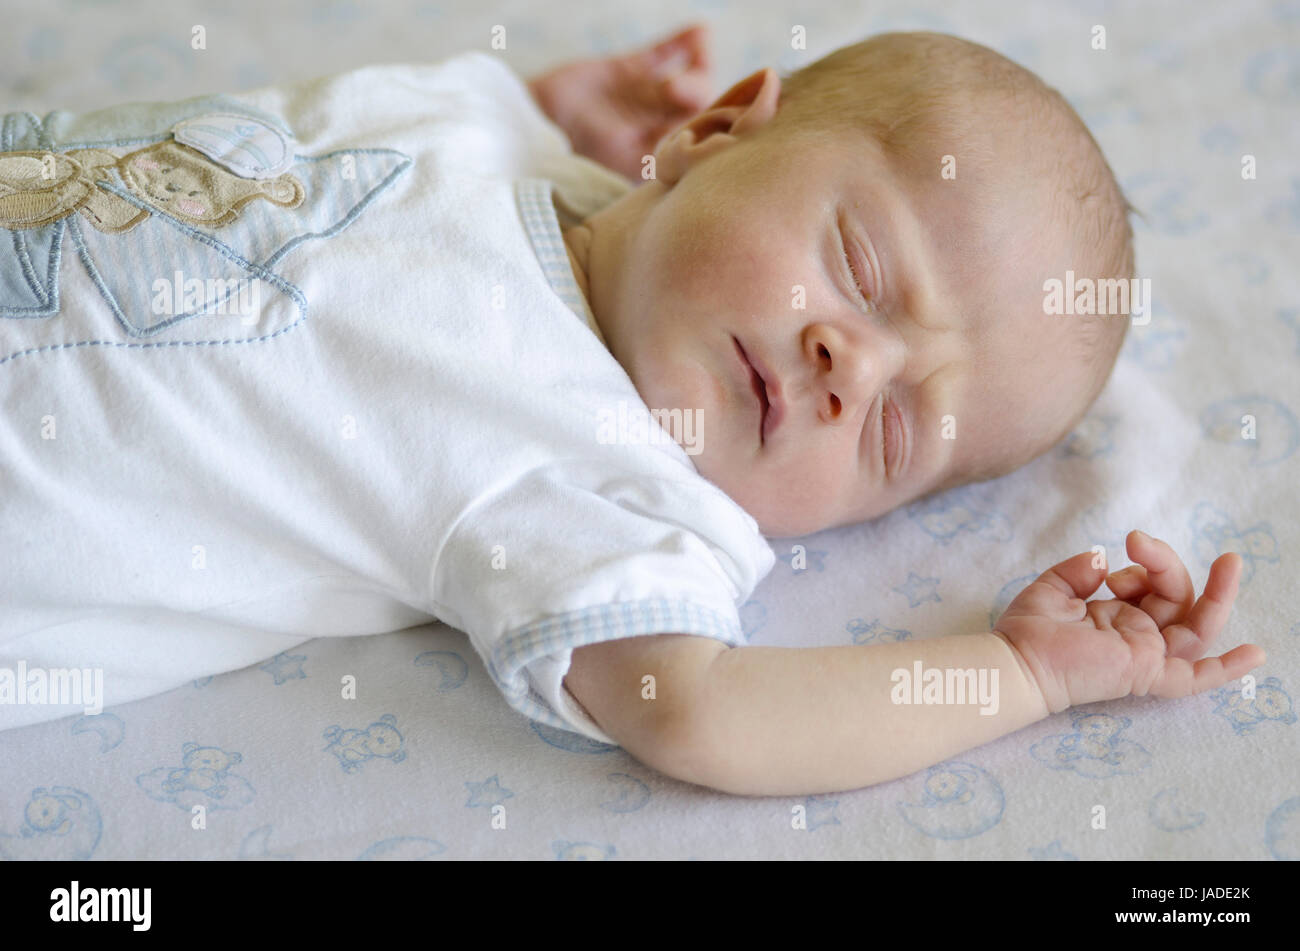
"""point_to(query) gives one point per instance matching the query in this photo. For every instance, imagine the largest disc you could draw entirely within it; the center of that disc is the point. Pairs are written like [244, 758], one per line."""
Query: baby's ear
[284, 190]
[741, 110]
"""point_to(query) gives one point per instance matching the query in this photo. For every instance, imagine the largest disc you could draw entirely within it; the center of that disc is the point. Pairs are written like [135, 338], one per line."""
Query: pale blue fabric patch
[241, 143]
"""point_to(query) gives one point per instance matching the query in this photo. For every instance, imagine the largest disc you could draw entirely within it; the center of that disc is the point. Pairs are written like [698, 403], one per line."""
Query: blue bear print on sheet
[337, 12]
[753, 615]
[1105, 524]
[1221, 138]
[820, 811]
[1166, 202]
[1214, 532]
[1291, 318]
[58, 823]
[205, 263]
[1285, 212]
[568, 740]
[1165, 53]
[1153, 346]
[582, 851]
[1167, 812]
[800, 558]
[602, 38]
[1276, 430]
[405, 848]
[353, 748]
[141, 62]
[1052, 852]
[1093, 437]
[451, 667]
[1007, 594]
[1282, 831]
[953, 800]
[203, 778]
[107, 726]
[630, 793]
[285, 667]
[918, 590]
[873, 632]
[1095, 749]
[256, 846]
[1107, 113]
[946, 516]
[1252, 268]
[490, 792]
[1270, 703]
[903, 18]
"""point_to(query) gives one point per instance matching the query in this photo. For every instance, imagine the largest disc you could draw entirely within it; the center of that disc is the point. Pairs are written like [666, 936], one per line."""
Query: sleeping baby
[344, 356]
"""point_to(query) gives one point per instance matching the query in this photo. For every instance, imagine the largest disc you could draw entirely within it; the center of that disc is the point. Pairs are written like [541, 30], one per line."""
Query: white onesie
[311, 361]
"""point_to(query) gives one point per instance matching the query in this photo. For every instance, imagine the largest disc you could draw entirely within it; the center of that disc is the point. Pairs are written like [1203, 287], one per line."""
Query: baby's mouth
[760, 390]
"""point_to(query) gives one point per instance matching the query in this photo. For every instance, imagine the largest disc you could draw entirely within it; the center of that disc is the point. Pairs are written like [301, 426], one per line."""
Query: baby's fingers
[1171, 587]
[1075, 577]
[688, 48]
[1129, 584]
[1208, 616]
[1182, 678]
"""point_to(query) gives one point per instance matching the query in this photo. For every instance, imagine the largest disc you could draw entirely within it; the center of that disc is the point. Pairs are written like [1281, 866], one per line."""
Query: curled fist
[615, 110]
[1149, 639]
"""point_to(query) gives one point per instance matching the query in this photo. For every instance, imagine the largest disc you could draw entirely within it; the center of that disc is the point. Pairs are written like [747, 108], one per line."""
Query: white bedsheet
[1180, 94]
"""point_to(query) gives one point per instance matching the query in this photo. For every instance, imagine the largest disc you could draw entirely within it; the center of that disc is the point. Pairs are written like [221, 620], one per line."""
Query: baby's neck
[577, 241]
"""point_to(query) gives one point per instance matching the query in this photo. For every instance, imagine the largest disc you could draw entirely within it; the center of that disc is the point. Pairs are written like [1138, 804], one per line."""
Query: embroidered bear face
[37, 188]
[186, 184]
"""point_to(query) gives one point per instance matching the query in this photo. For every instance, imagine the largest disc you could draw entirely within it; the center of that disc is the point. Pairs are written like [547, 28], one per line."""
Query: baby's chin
[778, 515]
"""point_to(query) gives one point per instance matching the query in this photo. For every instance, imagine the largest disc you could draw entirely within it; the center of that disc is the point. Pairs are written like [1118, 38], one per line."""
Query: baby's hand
[1146, 640]
[615, 110]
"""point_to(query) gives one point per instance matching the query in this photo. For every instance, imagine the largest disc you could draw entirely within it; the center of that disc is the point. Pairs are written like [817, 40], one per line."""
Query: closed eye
[884, 445]
[852, 271]
[853, 275]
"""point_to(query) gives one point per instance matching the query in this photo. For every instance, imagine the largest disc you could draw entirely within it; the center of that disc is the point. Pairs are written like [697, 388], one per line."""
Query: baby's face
[851, 333]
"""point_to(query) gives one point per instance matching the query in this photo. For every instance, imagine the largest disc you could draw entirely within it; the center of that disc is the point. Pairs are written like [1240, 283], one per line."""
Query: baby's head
[872, 237]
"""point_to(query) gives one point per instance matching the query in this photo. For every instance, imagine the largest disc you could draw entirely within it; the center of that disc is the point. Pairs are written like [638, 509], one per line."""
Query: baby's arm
[769, 721]
[799, 721]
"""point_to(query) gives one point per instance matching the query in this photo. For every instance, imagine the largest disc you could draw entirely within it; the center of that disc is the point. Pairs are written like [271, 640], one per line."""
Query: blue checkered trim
[603, 622]
[533, 196]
